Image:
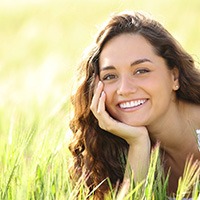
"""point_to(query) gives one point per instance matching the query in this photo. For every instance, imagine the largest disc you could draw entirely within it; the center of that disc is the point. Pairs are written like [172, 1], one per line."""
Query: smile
[132, 104]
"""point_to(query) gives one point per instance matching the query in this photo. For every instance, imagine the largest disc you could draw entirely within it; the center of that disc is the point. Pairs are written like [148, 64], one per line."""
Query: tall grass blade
[187, 181]
[148, 192]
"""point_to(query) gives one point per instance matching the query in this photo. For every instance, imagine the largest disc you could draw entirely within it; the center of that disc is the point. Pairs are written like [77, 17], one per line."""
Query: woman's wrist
[141, 140]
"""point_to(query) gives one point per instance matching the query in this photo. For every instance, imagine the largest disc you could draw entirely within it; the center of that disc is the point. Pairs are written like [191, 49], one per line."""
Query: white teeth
[131, 104]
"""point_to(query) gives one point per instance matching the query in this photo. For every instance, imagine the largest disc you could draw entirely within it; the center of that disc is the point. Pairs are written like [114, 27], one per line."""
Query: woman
[139, 87]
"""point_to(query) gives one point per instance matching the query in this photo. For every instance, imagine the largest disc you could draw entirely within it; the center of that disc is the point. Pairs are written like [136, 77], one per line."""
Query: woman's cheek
[108, 95]
[107, 100]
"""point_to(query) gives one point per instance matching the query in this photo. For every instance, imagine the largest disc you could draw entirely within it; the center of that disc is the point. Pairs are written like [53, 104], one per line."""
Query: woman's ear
[175, 75]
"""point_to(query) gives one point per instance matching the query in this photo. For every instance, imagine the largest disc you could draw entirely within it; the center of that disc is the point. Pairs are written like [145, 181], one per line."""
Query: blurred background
[41, 42]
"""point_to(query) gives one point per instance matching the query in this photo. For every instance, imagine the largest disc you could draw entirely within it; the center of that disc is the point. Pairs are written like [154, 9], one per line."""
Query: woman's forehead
[129, 47]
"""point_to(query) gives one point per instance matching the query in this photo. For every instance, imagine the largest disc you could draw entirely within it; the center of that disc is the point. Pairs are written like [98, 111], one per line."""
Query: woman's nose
[126, 86]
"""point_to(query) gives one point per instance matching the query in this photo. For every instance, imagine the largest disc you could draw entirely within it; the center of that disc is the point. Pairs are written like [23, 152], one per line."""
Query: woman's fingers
[95, 100]
[98, 106]
[101, 105]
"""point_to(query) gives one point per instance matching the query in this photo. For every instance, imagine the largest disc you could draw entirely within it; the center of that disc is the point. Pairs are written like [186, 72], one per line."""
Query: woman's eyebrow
[136, 62]
[107, 68]
[139, 61]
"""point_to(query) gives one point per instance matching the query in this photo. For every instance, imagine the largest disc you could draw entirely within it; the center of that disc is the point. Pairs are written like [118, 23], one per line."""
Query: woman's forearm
[138, 160]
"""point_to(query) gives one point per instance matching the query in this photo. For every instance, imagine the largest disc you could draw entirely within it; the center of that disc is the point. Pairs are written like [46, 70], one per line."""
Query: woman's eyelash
[109, 77]
[142, 71]
[113, 76]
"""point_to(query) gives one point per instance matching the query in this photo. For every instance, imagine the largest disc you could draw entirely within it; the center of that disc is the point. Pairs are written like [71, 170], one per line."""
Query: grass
[41, 43]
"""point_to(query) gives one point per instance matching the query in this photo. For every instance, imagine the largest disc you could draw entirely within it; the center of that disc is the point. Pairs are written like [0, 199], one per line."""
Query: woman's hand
[136, 137]
[133, 135]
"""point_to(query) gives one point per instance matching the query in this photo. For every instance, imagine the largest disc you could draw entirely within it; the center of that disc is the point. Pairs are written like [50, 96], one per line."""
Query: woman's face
[138, 85]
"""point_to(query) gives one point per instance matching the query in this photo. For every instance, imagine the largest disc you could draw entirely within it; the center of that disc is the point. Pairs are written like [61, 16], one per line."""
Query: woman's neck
[176, 130]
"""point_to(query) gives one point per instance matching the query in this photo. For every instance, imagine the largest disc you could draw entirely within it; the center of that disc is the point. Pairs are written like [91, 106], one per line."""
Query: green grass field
[41, 43]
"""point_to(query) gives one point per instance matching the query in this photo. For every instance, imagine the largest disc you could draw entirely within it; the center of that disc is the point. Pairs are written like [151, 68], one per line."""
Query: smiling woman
[140, 88]
[138, 77]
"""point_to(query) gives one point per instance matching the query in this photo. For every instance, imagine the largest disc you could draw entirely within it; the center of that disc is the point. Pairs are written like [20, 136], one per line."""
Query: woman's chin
[133, 122]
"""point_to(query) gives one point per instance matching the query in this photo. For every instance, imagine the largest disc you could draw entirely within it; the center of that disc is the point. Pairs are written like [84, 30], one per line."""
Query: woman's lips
[132, 103]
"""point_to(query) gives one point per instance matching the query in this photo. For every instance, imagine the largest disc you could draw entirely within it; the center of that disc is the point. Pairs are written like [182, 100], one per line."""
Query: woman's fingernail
[99, 83]
[103, 94]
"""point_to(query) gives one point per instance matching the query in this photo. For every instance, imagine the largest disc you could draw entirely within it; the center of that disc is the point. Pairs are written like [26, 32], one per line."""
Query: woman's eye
[141, 71]
[109, 77]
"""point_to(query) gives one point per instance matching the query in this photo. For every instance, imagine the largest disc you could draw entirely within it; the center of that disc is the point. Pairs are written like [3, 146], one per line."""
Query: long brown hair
[98, 153]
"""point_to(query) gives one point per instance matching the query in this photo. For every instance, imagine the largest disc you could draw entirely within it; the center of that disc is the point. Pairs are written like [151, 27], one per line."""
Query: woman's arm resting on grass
[138, 160]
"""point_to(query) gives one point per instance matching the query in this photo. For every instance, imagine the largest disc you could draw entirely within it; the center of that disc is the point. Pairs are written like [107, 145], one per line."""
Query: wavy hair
[98, 154]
